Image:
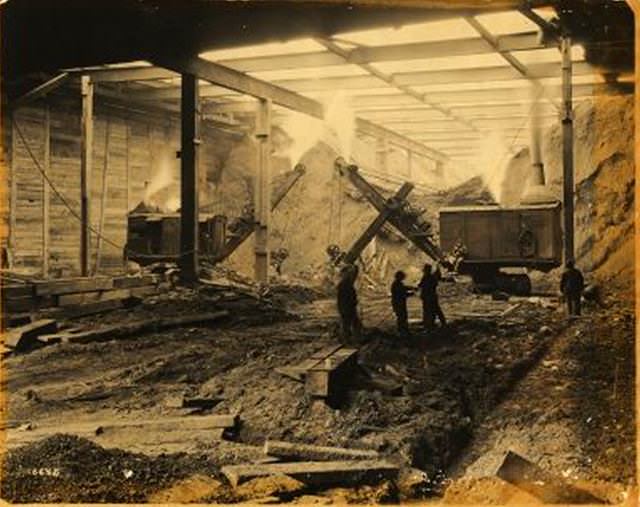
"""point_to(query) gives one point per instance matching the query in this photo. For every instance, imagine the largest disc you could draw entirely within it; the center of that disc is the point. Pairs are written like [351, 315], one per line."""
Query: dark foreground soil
[492, 363]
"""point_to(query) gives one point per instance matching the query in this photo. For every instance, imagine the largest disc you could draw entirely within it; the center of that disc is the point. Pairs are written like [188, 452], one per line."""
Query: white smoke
[337, 129]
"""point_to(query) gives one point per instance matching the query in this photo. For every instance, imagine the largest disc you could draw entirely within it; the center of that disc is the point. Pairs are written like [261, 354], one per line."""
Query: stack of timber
[327, 373]
[316, 466]
[75, 297]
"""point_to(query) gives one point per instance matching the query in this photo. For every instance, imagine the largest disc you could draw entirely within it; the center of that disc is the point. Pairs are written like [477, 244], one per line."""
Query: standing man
[429, 294]
[399, 294]
[348, 302]
[571, 286]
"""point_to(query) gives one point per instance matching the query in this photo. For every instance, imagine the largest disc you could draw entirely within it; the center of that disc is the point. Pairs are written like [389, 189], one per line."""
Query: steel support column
[262, 193]
[189, 178]
[86, 162]
[567, 149]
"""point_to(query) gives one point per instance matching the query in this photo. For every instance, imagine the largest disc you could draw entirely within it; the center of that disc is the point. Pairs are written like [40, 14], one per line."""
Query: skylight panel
[269, 49]
[441, 63]
[503, 23]
[430, 31]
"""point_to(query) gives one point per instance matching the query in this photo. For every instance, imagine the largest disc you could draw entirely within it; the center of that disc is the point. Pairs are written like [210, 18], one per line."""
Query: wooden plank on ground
[195, 423]
[317, 473]
[21, 338]
[329, 376]
[288, 451]
[299, 371]
[118, 331]
[71, 285]
[16, 291]
[81, 298]
[75, 311]
[128, 282]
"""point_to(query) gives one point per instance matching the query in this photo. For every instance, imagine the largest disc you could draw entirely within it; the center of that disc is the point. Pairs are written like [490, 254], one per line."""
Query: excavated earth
[455, 386]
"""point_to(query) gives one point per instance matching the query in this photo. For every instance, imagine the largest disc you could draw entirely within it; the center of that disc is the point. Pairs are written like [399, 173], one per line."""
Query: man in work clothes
[399, 294]
[571, 286]
[429, 294]
[348, 302]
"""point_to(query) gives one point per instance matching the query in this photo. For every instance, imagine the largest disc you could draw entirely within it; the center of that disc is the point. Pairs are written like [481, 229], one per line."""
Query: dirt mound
[605, 180]
[66, 468]
[471, 192]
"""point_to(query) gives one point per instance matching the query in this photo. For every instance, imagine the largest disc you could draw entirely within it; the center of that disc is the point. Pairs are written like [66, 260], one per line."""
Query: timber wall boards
[130, 149]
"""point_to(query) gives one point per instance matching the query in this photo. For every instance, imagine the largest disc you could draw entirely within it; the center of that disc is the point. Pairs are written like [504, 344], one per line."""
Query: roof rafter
[331, 46]
[511, 60]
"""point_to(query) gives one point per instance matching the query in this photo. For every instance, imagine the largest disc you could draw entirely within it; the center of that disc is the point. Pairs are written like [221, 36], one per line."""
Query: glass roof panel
[430, 31]
[441, 63]
[311, 73]
[548, 55]
[502, 23]
[269, 49]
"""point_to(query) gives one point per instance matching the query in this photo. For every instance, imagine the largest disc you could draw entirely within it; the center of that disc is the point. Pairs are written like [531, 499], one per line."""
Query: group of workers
[571, 287]
[348, 301]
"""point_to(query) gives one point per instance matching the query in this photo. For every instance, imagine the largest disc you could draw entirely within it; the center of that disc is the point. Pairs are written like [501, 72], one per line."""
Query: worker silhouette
[429, 294]
[348, 303]
[571, 286]
[399, 294]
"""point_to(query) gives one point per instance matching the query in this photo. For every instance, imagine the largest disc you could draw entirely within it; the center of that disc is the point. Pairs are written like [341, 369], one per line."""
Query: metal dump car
[492, 237]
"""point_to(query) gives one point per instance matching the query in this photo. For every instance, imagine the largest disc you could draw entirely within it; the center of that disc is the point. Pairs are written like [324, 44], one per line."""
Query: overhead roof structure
[437, 88]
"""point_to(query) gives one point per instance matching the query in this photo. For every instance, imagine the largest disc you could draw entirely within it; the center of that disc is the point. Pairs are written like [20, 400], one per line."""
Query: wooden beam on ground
[72, 285]
[314, 473]
[86, 163]
[189, 178]
[125, 330]
[24, 337]
[242, 83]
[330, 378]
[41, 90]
[288, 451]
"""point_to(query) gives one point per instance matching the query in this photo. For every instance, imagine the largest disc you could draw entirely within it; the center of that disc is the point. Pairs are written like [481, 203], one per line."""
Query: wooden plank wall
[134, 142]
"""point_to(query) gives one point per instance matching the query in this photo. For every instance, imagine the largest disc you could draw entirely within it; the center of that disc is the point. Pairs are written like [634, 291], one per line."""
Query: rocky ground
[503, 375]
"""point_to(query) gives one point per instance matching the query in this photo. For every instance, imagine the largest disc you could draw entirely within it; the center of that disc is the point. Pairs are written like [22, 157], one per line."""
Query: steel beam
[41, 90]
[239, 82]
[262, 192]
[146, 73]
[567, 149]
[374, 227]
[189, 178]
[388, 79]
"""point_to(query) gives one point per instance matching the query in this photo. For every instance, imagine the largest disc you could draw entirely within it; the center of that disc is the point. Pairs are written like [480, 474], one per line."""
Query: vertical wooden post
[567, 149]
[189, 178]
[86, 159]
[263, 191]
[127, 168]
[46, 192]
[13, 194]
[103, 197]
